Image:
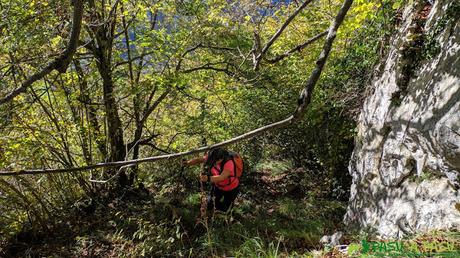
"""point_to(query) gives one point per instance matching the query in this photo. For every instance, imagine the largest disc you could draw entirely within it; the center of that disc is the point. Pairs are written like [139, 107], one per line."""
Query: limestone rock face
[406, 162]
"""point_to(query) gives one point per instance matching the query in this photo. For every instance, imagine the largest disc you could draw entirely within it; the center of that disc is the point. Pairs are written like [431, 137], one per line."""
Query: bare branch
[178, 66]
[155, 104]
[297, 48]
[278, 33]
[210, 66]
[218, 48]
[141, 56]
[59, 64]
[201, 45]
[151, 159]
[153, 146]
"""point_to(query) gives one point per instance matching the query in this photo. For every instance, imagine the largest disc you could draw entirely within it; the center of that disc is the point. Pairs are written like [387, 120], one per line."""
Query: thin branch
[178, 66]
[219, 48]
[59, 64]
[131, 21]
[297, 48]
[122, 169]
[142, 55]
[210, 66]
[278, 33]
[155, 104]
[304, 100]
[150, 159]
[144, 141]
[148, 139]
[200, 45]
[153, 146]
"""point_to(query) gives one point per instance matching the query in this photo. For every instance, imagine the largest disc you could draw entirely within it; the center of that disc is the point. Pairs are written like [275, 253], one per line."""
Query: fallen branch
[123, 168]
[150, 159]
[304, 100]
[61, 62]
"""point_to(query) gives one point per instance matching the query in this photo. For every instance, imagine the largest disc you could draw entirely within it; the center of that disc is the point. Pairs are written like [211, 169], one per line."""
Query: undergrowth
[164, 220]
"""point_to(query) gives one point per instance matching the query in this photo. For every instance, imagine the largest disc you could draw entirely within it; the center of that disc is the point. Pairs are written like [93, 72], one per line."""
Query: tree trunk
[91, 110]
[117, 150]
[103, 37]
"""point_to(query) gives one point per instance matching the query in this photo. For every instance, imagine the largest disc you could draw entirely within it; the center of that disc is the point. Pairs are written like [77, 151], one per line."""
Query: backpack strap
[222, 164]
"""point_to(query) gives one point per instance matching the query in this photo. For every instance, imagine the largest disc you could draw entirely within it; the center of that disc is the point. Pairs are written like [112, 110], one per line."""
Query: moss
[424, 176]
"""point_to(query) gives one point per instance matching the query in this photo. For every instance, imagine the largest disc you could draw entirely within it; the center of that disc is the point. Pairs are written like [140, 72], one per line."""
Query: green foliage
[424, 176]
[431, 46]
[274, 167]
[189, 82]
[158, 238]
[256, 247]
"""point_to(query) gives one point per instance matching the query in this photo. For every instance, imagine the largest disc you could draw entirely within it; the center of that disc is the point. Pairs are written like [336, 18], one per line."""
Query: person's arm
[216, 179]
[193, 162]
[227, 172]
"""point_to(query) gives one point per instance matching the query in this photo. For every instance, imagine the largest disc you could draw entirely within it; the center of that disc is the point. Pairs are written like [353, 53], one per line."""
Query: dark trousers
[222, 200]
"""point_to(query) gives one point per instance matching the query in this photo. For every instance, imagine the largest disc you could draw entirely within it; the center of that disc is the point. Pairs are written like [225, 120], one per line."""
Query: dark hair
[213, 156]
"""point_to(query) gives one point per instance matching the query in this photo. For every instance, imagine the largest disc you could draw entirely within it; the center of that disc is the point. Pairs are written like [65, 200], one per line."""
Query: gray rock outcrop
[406, 162]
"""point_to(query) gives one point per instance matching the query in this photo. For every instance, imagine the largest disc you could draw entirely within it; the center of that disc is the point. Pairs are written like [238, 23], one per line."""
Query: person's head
[215, 155]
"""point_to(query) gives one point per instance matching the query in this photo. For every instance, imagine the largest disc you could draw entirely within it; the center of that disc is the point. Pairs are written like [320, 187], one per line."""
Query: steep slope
[406, 162]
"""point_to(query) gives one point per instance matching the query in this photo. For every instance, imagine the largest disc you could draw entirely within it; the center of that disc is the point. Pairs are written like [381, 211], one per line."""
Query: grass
[275, 167]
[430, 244]
[164, 221]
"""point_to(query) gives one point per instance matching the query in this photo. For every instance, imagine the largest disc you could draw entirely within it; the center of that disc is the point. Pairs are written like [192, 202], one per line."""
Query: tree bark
[91, 111]
[103, 37]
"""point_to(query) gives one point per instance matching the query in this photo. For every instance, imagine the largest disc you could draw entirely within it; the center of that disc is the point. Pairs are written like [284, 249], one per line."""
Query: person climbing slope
[223, 169]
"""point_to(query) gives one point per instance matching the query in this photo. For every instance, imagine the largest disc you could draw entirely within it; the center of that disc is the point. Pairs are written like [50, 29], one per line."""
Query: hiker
[223, 169]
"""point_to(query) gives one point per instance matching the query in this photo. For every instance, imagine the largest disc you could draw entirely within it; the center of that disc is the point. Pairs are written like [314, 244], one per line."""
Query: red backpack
[238, 162]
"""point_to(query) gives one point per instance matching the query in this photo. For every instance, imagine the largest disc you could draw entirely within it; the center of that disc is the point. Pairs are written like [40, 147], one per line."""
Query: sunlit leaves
[361, 11]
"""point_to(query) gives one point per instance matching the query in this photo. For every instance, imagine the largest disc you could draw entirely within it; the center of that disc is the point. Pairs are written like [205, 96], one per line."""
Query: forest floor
[275, 214]
[282, 212]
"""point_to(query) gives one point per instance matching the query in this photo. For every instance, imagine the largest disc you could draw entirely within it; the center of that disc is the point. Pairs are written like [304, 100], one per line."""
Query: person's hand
[203, 178]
